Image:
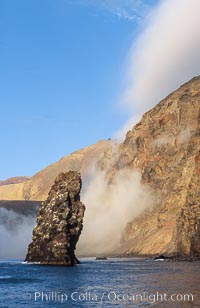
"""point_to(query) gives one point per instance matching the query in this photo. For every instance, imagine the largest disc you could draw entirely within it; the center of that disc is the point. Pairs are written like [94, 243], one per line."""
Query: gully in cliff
[59, 223]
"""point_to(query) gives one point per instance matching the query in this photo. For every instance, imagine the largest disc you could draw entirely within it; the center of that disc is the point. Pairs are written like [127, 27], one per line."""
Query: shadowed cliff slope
[21, 207]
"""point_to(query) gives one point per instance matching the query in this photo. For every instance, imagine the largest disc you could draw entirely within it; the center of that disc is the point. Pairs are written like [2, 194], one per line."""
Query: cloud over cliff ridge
[165, 55]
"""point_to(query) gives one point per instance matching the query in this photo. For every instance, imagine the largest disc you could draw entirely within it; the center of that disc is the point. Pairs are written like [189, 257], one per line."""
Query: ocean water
[109, 283]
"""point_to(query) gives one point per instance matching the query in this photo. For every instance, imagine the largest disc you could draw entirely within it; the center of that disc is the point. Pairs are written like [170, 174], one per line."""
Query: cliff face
[37, 187]
[59, 223]
[189, 220]
[15, 180]
[26, 208]
[165, 147]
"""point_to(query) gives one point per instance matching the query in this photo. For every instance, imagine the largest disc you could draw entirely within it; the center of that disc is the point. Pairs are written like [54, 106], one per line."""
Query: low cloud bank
[16, 231]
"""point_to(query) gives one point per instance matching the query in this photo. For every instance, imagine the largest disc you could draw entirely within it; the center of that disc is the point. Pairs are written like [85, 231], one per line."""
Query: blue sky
[62, 71]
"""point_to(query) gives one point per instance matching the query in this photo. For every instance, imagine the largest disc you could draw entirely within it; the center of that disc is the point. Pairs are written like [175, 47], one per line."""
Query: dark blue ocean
[110, 283]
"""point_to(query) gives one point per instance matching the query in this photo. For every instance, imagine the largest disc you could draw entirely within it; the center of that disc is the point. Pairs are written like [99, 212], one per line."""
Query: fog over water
[16, 232]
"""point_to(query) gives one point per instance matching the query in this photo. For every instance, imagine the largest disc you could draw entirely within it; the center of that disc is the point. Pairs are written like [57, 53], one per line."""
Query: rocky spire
[59, 223]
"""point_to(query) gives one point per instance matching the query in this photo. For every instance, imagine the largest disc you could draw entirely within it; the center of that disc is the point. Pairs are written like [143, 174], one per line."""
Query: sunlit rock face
[165, 147]
[59, 223]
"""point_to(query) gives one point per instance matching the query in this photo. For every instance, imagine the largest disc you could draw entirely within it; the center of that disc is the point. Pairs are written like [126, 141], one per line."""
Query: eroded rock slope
[165, 147]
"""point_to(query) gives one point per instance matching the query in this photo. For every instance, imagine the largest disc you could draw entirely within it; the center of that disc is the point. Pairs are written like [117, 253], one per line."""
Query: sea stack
[59, 223]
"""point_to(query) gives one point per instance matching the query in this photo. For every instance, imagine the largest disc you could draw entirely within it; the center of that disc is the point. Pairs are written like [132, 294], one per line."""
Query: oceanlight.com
[111, 296]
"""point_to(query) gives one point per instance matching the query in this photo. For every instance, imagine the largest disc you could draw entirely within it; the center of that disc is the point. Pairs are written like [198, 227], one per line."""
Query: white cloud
[165, 55]
[132, 10]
